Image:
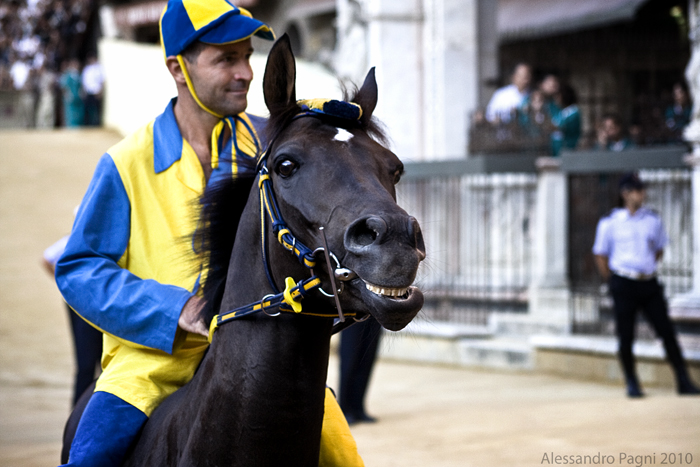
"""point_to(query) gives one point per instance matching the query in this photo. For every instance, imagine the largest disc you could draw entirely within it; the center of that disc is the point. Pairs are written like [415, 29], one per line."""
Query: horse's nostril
[365, 232]
[415, 233]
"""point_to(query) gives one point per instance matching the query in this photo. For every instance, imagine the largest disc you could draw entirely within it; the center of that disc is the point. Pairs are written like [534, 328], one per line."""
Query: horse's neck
[263, 380]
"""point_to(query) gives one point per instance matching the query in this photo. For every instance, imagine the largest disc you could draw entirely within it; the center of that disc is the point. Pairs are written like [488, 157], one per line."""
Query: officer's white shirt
[630, 241]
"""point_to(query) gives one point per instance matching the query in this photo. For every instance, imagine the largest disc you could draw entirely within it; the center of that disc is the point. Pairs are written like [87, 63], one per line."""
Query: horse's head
[328, 171]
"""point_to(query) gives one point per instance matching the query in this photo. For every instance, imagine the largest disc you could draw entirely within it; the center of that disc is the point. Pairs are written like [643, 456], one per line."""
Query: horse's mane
[221, 207]
[223, 204]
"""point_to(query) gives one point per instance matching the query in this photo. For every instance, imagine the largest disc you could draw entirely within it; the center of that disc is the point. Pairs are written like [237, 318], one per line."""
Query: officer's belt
[634, 275]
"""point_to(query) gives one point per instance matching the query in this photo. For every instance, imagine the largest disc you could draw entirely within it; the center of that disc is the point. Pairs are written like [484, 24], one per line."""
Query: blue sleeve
[97, 288]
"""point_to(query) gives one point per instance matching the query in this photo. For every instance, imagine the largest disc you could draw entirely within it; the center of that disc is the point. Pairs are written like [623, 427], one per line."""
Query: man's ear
[175, 70]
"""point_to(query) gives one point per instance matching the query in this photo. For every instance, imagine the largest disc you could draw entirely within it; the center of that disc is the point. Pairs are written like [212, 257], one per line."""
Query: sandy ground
[429, 416]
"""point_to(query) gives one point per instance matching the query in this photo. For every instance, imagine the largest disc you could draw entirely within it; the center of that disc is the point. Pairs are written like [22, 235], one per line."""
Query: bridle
[289, 299]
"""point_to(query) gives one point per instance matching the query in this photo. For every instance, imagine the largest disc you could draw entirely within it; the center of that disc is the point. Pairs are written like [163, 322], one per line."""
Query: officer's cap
[631, 181]
[210, 21]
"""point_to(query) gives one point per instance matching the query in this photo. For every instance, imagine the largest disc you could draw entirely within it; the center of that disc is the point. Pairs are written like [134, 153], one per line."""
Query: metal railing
[477, 217]
[477, 232]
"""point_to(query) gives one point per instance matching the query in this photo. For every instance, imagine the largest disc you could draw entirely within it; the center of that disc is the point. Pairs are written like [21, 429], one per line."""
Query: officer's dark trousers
[629, 296]
[358, 350]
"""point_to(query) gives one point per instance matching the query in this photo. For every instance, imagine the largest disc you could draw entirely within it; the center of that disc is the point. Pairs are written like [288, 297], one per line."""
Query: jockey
[125, 268]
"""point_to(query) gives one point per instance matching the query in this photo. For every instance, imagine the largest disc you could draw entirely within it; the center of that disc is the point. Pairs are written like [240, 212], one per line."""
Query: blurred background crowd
[541, 115]
[44, 51]
[613, 86]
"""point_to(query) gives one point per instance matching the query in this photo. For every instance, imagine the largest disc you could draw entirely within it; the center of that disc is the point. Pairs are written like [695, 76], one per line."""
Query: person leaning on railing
[567, 121]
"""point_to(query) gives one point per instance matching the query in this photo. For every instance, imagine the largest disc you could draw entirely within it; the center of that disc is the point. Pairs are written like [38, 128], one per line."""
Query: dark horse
[258, 395]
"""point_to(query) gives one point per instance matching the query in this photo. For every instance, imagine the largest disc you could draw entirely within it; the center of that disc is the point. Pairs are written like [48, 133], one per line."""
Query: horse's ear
[367, 96]
[280, 75]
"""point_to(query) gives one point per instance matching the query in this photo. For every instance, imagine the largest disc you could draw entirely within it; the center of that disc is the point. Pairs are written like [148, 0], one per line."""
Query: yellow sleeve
[338, 447]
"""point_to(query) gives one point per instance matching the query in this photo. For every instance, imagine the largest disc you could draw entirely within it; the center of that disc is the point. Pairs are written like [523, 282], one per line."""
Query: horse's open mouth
[390, 292]
[393, 307]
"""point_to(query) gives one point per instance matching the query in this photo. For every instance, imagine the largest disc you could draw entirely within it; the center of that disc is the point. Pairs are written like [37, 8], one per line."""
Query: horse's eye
[286, 168]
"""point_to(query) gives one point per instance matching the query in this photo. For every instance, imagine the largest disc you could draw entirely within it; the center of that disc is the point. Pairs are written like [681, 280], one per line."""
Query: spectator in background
[506, 100]
[73, 110]
[46, 108]
[611, 134]
[93, 82]
[551, 87]
[5, 78]
[567, 121]
[358, 351]
[36, 34]
[87, 341]
[535, 121]
[19, 71]
[679, 113]
[636, 134]
[23, 78]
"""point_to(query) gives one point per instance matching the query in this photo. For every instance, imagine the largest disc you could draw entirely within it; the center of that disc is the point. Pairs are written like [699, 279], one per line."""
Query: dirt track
[429, 416]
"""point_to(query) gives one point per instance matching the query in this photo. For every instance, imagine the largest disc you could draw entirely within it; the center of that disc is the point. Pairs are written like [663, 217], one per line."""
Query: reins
[289, 300]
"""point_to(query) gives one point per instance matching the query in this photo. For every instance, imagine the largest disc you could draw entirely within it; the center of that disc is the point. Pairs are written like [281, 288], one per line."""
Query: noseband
[289, 300]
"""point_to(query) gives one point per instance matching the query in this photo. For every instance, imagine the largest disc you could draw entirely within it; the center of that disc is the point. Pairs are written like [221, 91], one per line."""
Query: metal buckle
[335, 271]
[262, 306]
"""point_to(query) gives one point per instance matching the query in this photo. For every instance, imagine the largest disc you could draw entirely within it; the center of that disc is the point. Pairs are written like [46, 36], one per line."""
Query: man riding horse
[126, 268]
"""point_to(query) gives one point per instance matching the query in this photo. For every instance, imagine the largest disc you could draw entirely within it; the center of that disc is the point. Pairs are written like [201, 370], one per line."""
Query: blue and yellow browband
[331, 108]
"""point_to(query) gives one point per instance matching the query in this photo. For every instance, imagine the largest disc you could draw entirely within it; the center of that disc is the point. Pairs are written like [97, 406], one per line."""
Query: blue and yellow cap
[210, 21]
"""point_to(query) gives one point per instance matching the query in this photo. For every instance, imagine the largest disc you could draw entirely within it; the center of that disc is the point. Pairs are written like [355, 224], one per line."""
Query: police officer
[628, 245]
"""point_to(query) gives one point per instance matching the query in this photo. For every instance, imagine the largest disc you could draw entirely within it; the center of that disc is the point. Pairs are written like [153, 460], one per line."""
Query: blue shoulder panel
[97, 288]
[167, 140]
[260, 125]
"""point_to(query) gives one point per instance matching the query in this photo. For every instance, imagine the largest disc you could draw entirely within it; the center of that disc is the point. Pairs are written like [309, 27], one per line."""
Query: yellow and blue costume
[127, 270]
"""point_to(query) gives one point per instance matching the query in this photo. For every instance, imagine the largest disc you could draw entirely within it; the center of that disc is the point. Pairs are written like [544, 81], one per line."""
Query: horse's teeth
[387, 292]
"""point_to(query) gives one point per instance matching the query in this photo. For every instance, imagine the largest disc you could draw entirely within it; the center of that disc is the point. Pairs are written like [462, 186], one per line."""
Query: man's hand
[191, 319]
[601, 263]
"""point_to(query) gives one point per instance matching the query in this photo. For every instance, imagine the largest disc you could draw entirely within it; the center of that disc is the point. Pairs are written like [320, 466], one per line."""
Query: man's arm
[661, 240]
[603, 266]
[140, 311]
[602, 249]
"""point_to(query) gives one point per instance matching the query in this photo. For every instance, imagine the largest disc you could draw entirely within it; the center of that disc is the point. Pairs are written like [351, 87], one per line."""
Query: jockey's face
[221, 76]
